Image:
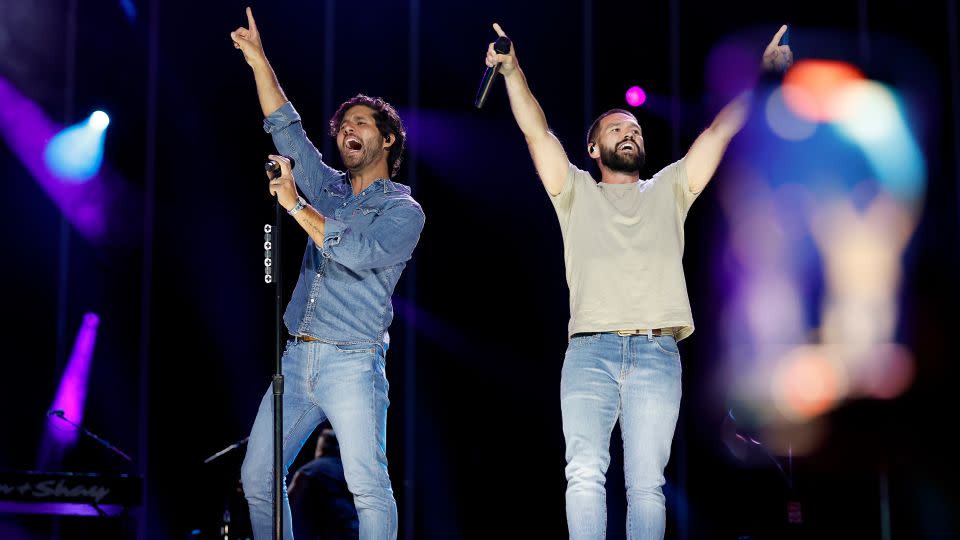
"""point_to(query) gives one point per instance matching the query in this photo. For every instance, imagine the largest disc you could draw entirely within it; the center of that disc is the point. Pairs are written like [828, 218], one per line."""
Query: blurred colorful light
[810, 86]
[782, 119]
[808, 383]
[636, 96]
[869, 114]
[890, 373]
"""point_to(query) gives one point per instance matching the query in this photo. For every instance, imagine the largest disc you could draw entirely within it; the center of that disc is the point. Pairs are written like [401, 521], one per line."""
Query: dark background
[184, 350]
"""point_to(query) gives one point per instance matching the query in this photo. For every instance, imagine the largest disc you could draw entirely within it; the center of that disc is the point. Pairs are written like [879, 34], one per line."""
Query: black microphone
[501, 46]
[56, 412]
[273, 167]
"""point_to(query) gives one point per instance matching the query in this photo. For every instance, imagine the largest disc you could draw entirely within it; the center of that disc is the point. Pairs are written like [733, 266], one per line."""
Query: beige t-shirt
[623, 250]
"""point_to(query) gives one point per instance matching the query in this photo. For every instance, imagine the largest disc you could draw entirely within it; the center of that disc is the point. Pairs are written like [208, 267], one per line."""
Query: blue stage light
[76, 153]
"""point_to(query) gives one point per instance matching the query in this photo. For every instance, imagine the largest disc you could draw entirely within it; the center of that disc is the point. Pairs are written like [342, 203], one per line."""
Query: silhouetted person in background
[320, 502]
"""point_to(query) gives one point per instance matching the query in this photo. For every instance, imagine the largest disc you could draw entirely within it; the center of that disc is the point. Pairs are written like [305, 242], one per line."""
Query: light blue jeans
[633, 379]
[348, 386]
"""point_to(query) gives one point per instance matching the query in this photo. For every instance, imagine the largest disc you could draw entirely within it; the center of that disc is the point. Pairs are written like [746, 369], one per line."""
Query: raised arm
[705, 154]
[281, 120]
[548, 155]
[268, 88]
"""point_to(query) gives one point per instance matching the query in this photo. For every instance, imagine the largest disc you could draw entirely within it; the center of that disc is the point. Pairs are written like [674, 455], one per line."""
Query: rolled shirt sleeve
[389, 240]
[286, 128]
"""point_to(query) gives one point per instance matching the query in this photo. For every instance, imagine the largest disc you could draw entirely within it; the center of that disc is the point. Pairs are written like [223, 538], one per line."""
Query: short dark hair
[327, 444]
[387, 120]
[592, 134]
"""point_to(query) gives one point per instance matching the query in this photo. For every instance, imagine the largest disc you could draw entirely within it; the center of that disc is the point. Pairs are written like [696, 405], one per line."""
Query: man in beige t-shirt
[623, 249]
[623, 245]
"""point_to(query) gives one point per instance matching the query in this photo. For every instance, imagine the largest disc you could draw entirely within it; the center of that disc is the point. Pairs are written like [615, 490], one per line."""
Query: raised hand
[777, 57]
[508, 62]
[248, 41]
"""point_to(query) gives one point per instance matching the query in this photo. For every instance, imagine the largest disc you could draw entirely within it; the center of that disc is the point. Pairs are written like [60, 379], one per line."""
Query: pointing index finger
[776, 38]
[250, 21]
[498, 30]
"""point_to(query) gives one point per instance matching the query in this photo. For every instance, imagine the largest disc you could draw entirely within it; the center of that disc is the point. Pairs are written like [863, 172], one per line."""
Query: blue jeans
[347, 385]
[636, 380]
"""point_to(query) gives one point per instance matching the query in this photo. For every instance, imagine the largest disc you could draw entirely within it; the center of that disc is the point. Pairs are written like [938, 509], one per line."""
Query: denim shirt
[343, 291]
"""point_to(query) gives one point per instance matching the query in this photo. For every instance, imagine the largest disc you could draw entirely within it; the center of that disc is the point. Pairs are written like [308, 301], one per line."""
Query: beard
[369, 153]
[620, 162]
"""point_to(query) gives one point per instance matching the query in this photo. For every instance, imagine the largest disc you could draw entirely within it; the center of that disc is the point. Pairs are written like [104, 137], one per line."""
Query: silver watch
[297, 207]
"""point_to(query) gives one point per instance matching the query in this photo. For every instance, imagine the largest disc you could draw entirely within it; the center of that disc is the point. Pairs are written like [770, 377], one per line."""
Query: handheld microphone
[273, 167]
[501, 46]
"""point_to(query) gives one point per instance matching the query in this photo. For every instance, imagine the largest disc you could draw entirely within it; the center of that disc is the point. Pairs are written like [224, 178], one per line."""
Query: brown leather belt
[305, 338]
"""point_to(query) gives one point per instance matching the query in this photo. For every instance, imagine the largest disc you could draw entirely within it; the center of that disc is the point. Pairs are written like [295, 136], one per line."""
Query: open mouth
[353, 143]
[627, 145]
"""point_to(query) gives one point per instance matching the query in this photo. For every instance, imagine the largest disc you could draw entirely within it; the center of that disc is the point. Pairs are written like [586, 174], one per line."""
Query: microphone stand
[224, 532]
[278, 485]
[227, 449]
[739, 443]
[59, 414]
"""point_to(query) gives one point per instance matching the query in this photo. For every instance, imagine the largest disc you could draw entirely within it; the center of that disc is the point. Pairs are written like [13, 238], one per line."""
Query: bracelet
[301, 204]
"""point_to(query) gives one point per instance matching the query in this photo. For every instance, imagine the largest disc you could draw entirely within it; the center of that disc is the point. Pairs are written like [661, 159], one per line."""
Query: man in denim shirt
[362, 229]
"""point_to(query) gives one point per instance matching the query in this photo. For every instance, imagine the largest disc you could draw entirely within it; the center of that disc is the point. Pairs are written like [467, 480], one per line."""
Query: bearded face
[627, 156]
[359, 153]
[621, 144]
[359, 141]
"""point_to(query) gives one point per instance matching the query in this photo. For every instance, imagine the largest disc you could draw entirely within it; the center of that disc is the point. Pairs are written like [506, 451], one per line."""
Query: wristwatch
[297, 207]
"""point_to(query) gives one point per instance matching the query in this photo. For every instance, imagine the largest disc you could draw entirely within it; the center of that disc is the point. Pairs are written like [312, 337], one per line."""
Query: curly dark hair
[387, 120]
[592, 134]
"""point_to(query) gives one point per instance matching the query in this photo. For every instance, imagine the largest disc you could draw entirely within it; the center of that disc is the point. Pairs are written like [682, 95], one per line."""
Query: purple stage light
[636, 96]
[61, 509]
[72, 393]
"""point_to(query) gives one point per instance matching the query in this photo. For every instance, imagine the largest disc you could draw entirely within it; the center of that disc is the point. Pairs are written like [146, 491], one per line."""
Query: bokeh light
[636, 96]
[783, 121]
[869, 114]
[808, 383]
[809, 87]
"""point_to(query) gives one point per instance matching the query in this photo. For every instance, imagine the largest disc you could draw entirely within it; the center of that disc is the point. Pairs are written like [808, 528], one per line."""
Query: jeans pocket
[354, 358]
[582, 340]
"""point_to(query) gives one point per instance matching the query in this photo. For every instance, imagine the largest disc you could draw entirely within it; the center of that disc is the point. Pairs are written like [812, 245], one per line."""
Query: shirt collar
[385, 185]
